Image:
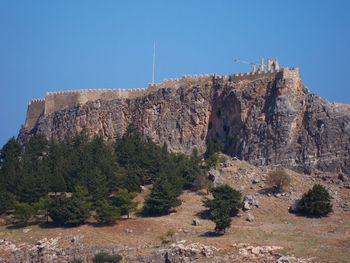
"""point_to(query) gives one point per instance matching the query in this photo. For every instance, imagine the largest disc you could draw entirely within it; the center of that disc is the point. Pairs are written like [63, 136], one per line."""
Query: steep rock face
[270, 120]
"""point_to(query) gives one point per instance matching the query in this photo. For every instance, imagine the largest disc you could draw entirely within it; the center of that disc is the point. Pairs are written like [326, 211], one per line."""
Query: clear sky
[66, 45]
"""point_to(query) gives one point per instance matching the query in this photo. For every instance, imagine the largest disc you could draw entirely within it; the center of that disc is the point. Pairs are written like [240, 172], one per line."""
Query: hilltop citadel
[56, 101]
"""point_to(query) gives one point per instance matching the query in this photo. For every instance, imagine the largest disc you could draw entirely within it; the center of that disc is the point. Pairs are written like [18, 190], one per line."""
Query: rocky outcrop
[270, 119]
[49, 251]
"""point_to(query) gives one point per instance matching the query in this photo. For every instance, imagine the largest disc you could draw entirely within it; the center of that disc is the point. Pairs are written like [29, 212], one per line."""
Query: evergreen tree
[214, 145]
[43, 205]
[23, 212]
[162, 198]
[97, 185]
[123, 200]
[106, 213]
[36, 147]
[33, 183]
[6, 200]
[70, 210]
[221, 217]
[57, 184]
[10, 164]
[225, 204]
[316, 202]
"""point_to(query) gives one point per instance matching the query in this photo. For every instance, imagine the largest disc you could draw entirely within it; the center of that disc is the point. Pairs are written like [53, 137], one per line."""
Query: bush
[105, 258]
[316, 202]
[278, 179]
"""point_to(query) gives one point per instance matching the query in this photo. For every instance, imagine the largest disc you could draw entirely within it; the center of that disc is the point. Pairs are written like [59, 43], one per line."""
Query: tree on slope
[123, 200]
[106, 213]
[316, 202]
[70, 210]
[162, 198]
[226, 203]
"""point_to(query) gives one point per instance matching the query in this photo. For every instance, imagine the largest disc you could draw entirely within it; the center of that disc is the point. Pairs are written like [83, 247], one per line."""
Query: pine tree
[36, 147]
[11, 168]
[23, 212]
[123, 200]
[43, 205]
[6, 200]
[162, 198]
[221, 217]
[32, 184]
[316, 202]
[97, 185]
[106, 213]
[225, 204]
[70, 210]
[57, 184]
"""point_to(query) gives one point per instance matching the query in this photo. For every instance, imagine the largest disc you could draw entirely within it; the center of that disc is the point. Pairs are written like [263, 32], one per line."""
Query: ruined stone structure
[266, 117]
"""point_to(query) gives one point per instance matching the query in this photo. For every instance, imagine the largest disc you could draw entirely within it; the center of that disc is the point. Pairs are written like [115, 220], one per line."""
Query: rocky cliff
[266, 119]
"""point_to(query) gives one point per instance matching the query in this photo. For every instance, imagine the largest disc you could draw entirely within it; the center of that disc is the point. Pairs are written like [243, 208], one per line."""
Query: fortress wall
[291, 73]
[56, 101]
[251, 76]
[134, 93]
[35, 110]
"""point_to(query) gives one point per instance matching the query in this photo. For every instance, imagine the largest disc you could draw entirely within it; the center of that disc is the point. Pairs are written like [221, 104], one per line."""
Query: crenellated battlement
[36, 101]
[56, 101]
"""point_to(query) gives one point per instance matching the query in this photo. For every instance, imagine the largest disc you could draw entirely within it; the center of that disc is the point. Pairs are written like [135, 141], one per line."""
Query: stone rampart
[252, 76]
[35, 109]
[56, 101]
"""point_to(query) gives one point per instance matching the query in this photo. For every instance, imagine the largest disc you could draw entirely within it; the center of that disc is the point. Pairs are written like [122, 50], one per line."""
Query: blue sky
[65, 45]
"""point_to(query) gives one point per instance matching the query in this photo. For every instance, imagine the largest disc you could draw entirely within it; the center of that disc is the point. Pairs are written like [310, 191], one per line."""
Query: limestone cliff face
[269, 119]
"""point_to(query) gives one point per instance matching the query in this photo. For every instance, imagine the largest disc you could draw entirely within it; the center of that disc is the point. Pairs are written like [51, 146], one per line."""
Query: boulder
[196, 222]
[250, 202]
[250, 218]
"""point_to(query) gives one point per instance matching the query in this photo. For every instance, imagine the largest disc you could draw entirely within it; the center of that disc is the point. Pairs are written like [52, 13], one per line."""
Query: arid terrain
[310, 239]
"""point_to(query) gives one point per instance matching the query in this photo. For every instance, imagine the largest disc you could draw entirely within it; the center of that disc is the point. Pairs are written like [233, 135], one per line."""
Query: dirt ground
[322, 239]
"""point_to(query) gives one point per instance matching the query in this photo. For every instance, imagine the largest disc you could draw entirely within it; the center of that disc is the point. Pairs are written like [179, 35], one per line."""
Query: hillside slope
[273, 232]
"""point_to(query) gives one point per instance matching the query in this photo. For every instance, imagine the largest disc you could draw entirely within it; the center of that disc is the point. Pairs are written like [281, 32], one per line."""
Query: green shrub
[316, 202]
[106, 258]
[278, 179]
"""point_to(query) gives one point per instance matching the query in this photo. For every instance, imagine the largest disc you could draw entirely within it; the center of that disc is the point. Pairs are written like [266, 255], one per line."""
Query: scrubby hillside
[271, 234]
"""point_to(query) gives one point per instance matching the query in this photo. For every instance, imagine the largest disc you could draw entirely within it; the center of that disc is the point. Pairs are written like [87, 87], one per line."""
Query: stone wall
[56, 101]
[35, 109]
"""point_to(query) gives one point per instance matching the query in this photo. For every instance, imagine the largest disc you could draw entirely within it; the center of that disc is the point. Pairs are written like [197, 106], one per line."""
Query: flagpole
[154, 59]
